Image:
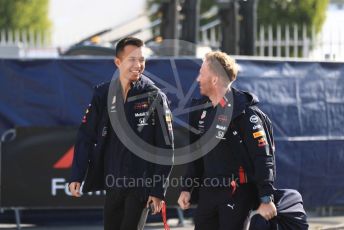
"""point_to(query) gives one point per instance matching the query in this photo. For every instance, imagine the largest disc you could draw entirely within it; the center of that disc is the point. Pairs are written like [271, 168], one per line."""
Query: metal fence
[26, 43]
[300, 41]
[210, 34]
[271, 41]
[286, 41]
[25, 38]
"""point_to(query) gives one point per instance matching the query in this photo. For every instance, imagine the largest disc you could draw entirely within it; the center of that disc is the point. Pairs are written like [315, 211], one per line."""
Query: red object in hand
[163, 213]
[234, 186]
[242, 176]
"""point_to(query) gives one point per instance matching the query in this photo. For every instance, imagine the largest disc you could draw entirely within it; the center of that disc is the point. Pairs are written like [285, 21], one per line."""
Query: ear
[214, 80]
[117, 61]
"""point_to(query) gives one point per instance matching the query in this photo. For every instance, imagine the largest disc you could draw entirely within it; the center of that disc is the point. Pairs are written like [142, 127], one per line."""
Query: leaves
[287, 12]
[282, 12]
[24, 15]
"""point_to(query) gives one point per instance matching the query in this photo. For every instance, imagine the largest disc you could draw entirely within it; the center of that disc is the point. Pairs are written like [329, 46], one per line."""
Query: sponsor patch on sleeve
[262, 142]
[84, 118]
[258, 134]
[204, 113]
[254, 119]
[168, 117]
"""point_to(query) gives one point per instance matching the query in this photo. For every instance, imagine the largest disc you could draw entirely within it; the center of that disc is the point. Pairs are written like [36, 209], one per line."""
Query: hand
[268, 211]
[184, 200]
[74, 188]
[156, 203]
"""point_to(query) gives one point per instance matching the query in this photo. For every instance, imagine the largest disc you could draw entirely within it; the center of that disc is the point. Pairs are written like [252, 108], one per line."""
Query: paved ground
[316, 223]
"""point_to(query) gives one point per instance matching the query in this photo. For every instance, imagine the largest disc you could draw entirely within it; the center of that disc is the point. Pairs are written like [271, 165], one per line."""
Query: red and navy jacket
[245, 149]
[102, 155]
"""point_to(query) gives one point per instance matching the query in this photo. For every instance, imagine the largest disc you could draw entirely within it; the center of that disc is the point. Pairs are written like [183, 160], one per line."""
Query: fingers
[264, 215]
[156, 207]
[186, 203]
[74, 188]
[183, 202]
[268, 215]
[155, 204]
[267, 211]
[149, 201]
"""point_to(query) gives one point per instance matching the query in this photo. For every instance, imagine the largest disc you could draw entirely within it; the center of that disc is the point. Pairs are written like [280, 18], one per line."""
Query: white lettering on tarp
[59, 185]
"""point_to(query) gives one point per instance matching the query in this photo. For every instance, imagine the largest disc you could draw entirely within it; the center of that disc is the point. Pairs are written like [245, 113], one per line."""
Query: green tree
[286, 12]
[282, 12]
[24, 15]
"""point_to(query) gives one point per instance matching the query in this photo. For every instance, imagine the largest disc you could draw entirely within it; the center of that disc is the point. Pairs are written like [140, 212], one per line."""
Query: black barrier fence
[35, 169]
[305, 101]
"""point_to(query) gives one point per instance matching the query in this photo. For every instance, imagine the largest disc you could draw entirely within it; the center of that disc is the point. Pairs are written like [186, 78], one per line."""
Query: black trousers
[122, 209]
[218, 209]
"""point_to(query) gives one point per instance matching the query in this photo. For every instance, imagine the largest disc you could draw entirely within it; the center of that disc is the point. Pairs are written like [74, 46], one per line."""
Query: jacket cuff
[158, 193]
[265, 190]
[75, 179]
[186, 189]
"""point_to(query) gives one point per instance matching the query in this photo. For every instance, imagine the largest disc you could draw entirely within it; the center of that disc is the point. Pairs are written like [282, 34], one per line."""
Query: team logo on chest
[142, 121]
[221, 127]
[141, 105]
[222, 118]
[143, 114]
[220, 135]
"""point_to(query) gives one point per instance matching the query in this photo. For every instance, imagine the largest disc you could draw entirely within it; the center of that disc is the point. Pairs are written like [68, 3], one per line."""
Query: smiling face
[130, 62]
[206, 80]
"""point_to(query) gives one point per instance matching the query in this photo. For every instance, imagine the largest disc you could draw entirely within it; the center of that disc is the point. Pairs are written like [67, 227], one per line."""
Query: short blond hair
[223, 65]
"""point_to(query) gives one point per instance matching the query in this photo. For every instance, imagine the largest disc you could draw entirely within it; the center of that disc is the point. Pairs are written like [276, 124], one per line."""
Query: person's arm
[258, 140]
[163, 133]
[190, 180]
[85, 142]
[194, 169]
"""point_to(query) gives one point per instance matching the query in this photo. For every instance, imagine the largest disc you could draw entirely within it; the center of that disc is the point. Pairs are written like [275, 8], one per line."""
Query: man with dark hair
[101, 155]
[121, 44]
[237, 175]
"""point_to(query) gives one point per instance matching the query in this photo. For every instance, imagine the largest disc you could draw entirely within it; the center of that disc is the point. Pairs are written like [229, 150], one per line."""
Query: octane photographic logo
[170, 50]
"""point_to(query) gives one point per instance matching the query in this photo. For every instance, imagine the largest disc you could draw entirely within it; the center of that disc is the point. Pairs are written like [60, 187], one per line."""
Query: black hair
[127, 41]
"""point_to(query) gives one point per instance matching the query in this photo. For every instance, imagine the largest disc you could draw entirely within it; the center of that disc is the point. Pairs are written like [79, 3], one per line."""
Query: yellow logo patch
[258, 134]
[168, 117]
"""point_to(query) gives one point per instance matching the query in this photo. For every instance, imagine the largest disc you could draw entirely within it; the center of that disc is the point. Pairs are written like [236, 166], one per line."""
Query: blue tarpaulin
[305, 101]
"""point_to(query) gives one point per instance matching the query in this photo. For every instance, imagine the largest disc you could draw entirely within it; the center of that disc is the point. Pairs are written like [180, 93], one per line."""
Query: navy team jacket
[101, 156]
[245, 149]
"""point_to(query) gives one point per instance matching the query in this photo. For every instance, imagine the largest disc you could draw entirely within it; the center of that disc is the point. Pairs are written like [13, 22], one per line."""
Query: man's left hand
[268, 211]
[156, 204]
